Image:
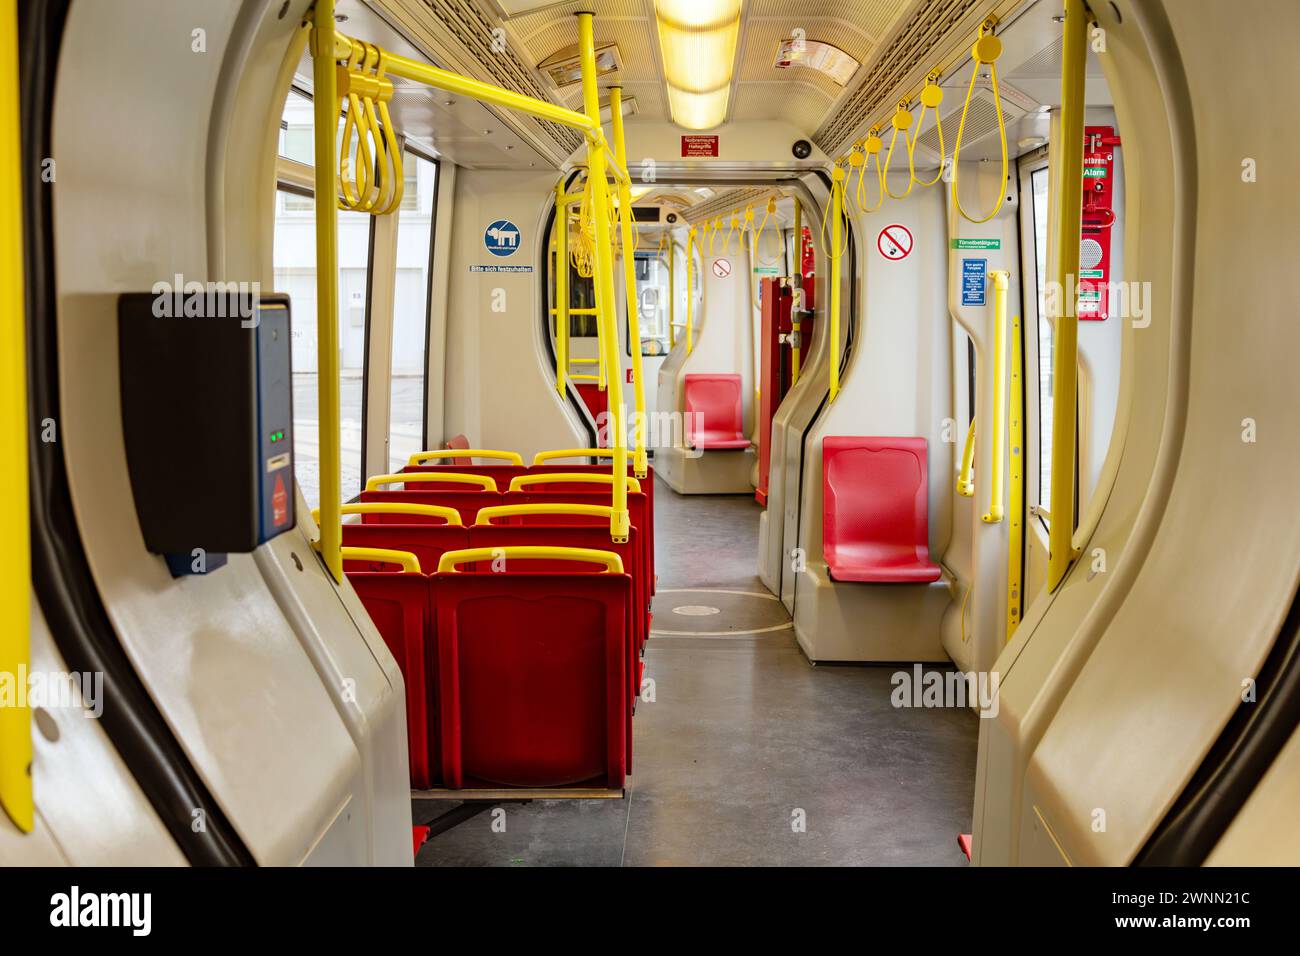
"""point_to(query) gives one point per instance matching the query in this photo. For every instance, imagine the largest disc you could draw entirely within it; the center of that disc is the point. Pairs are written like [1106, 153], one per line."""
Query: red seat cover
[532, 678]
[875, 502]
[428, 542]
[501, 474]
[458, 443]
[714, 412]
[399, 605]
[467, 503]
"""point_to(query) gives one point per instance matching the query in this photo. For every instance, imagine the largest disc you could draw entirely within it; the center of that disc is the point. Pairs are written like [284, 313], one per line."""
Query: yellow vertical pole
[639, 463]
[15, 579]
[325, 114]
[965, 479]
[604, 278]
[561, 288]
[672, 296]
[997, 479]
[795, 326]
[837, 227]
[1016, 530]
[1065, 367]
[690, 287]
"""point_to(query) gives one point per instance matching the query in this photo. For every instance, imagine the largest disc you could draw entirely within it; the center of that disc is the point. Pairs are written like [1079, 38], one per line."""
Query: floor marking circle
[696, 610]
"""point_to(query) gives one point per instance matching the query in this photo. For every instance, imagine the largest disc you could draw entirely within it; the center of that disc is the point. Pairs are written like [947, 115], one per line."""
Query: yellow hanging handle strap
[425, 477]
[422, 456]
[871, 147]
[836, 203]
[758, 255]
[931, 98]
[451, 561]
[986, 50]
[901, 122]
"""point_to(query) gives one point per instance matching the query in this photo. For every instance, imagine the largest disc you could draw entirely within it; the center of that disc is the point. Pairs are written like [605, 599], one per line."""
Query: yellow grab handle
[450, 515]
[485, 515]
[408, 561]
[517, 484]
[612, 562]
[422, 456]
[544, 456]
[965, 483]
[414, 477]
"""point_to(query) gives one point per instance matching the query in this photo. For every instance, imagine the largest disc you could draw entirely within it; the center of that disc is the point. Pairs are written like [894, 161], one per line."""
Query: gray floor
[745, 740]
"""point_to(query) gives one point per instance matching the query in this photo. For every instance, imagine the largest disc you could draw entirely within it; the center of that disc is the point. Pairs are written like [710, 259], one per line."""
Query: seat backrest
[716, 399]
[532, 690]
[458, 442]
[637, 512]
[398, 603]
[875, 491]
[467, 503]
[428, 542]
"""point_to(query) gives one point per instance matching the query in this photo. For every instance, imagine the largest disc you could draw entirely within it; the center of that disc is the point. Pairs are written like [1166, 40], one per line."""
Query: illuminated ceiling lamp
[698, 41]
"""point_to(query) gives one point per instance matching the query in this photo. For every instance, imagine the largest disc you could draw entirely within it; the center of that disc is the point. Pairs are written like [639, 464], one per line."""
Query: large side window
[652, 304]
[294, 260]
[407, 392]
[1038, 180]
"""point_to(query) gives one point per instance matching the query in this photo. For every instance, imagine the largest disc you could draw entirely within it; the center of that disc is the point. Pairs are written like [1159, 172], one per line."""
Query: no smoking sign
[721, 268]
[895, 242]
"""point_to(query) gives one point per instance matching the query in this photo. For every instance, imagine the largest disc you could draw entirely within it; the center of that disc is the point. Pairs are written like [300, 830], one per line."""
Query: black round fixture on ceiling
[802, 149]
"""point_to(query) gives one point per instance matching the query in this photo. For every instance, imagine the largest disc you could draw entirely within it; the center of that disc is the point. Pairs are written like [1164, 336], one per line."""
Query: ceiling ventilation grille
[912, 49]
[981, 120]
[457, 34]
[724, 204]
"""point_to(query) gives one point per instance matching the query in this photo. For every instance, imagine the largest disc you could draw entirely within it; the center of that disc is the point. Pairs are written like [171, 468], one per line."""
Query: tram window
[582, 295]
[1038, 182]
[406, 393]
[295, 129]
[652, 302]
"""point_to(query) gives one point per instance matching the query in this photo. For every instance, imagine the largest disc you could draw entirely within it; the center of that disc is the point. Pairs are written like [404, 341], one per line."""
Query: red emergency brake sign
[279, 503]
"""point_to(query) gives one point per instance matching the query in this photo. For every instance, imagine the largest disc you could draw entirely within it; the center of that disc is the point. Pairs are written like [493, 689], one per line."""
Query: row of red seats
[522, 667]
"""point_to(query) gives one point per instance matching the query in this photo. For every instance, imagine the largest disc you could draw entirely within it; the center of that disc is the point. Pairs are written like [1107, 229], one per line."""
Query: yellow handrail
[1016, 530]
[416, 477]
[619, 524]
[837, 225]
[422, 456]
[690, 291]
[965, 481]
[544, 456]
[997, 480]
[16, 580]
[584, 478]
[450, 515]
[1065, 345]
[525, 552]
[409, 562]
[485, 515]
[325, 109]
[672, 297]
[561, 310]
[639, 462]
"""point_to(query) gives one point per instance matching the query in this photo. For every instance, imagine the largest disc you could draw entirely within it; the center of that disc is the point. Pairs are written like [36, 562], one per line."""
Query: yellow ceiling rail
[493, 454]
[409, 563]
[1065, 342]
[450, 515]
[639, 460]
[15, 579]
[526, 552]
[429, 477]
[997, 474]
[578, 477]
[485, 515]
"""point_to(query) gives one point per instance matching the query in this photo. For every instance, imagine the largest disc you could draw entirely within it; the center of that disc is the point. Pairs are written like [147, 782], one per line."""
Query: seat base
[697, 472]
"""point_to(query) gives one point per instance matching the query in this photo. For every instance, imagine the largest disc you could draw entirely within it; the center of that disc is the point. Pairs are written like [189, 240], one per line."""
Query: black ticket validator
[207, 414]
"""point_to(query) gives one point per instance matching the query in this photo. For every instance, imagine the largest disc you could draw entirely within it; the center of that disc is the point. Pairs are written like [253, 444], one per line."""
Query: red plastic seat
[467, 503]
[647, 488]
[428, 542]
[875, 517]
[457, 443]
[714, 412]
[398, 603]
[532, 684]
[501, 474]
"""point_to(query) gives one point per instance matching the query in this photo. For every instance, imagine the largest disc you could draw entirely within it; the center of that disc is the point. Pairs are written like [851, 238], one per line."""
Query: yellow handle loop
[410, 563]
[425, 477]
[986, 50]
[837, 185]
[931, 98]
[511, 456]
[871, 149]
[449, 561]
[485, 515]
[901, 121]
[396, 186]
